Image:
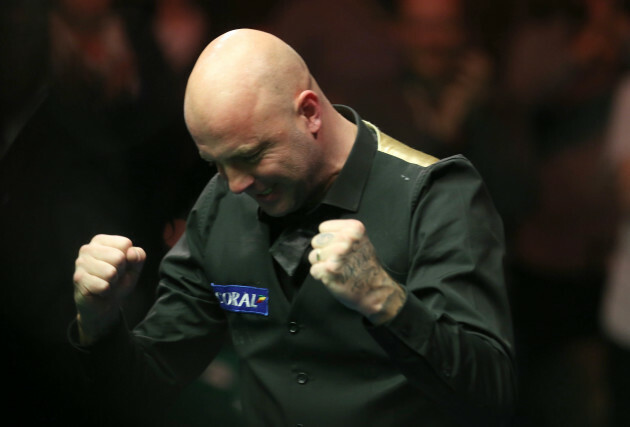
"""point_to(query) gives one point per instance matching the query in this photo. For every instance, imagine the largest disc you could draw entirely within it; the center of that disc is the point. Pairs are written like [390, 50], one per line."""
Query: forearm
[123, 382]
[90, 332]
[468, 373]
[453, 336]
[384, 300]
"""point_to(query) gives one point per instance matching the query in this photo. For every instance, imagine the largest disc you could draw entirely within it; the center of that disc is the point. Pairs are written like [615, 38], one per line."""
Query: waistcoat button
[302, 378]
[293, 327]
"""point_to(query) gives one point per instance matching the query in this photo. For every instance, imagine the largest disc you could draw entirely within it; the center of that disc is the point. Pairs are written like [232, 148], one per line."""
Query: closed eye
[255, 156]
[252, 158]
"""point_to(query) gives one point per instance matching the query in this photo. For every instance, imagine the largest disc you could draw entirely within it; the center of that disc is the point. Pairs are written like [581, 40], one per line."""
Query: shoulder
[399, 150]
[395, 148]
[417, 164]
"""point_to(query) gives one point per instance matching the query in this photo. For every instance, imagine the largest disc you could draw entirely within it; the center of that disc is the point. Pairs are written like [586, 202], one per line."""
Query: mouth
[265, 195]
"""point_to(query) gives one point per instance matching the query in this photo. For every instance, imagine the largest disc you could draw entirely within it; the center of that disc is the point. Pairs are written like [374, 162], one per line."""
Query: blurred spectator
[450, 96]
[348, 51]
[448, 75]
[615, 310]
[106, 151]
[91, 54]
[567, 50]
[417, 70]
[182, 29]
[562, 71]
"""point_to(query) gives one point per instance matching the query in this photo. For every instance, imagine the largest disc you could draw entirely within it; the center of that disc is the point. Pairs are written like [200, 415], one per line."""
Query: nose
[238, 180]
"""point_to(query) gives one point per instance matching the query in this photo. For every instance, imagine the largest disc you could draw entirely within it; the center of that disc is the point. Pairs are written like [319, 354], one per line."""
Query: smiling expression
[274, 160]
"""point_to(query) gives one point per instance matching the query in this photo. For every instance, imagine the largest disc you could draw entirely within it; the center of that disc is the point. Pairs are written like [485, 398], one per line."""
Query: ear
[309, 109]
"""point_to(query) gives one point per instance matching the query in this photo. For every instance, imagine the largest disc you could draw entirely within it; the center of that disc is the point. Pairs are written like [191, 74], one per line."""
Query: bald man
[360, 281]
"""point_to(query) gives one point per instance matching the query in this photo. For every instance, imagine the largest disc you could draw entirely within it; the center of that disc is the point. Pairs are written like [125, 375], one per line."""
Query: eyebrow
[240, 152]
[247, 151]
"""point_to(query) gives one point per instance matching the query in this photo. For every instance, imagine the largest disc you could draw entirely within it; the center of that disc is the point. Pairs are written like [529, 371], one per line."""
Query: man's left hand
[344, 259]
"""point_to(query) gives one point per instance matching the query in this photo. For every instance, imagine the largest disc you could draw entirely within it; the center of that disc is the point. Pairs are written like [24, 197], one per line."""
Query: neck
[343, 133]
[338, 137]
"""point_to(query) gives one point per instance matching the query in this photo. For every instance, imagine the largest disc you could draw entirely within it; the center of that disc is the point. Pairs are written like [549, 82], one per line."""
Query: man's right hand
[106, 271]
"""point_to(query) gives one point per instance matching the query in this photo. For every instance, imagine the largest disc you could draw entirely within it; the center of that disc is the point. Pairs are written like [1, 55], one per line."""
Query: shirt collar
[347, 189]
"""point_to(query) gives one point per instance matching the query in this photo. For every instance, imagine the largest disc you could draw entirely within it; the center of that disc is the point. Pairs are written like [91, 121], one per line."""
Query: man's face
[271, 160]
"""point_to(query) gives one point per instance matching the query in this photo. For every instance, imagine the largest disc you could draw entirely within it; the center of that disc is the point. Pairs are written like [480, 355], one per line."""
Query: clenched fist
[107, 269]
[344, 259]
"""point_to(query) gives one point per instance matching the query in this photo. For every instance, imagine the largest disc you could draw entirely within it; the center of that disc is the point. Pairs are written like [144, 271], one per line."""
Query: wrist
[389, 305]
[92, 331]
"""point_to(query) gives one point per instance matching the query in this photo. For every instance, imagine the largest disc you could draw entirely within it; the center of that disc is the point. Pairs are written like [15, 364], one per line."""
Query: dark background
[93, 141]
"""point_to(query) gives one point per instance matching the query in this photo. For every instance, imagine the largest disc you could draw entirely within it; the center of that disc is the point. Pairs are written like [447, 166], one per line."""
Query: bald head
[240, 75]
[255, 111]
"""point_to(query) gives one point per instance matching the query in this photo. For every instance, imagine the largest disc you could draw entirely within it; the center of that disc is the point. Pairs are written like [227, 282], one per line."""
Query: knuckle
[97, 288]
[125, 243]
[84, 249]
[331, 266]
[83, 291]
[105, 288]
[78, 276]
[110, 273]
[118, 242]
[344, 247]
[118, 258]
[359, 227]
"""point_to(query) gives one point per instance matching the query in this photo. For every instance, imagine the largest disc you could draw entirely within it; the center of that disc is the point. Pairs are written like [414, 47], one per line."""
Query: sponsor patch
[243, 299]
